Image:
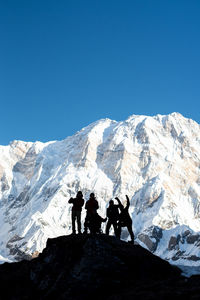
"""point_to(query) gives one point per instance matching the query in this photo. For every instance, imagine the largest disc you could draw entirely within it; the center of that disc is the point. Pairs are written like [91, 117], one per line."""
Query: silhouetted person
[112, 214]
[95, 223]
[91, 206]
[78, 203]
[124, 219]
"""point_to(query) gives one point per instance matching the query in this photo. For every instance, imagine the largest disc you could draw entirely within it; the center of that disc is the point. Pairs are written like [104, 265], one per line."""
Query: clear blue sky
[67, 63]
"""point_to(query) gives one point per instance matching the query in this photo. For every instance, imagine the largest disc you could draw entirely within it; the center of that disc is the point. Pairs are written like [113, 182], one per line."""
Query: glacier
[155, 160]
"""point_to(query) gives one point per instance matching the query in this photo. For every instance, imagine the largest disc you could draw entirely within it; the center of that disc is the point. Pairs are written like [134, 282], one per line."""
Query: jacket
[77, 203]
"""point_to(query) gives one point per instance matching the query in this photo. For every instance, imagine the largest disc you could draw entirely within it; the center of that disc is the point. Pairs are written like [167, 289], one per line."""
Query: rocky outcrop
[14, 249]
[191, 239]
[95, 267]
[178, 245]
[173, 242]
[151, 237]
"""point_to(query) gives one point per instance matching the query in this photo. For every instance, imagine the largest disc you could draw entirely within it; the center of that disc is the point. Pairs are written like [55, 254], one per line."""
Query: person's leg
[108, 225]
[130, 230]
[86, 223]
[93, 223]
[78, 216]
[119, 229]
[73, 222]
[115, 228]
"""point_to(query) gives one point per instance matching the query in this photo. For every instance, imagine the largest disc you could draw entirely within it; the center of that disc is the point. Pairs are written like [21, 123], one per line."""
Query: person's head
[79, 194]
[111, 202]
[92, 196]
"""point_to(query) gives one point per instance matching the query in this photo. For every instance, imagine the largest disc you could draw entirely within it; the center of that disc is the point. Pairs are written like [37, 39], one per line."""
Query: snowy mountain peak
[153, 159]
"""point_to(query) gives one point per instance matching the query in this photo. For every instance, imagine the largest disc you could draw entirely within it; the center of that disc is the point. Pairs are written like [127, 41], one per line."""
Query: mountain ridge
[153, 159]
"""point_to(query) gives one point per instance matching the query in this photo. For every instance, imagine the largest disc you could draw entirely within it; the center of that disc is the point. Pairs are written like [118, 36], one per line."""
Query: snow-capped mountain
[154, 160]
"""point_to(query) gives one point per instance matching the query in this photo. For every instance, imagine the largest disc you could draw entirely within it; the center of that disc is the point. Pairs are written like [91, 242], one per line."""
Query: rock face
[99, 267]
[154, 160]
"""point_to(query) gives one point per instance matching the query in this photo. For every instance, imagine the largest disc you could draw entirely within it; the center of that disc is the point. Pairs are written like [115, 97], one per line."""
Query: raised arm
[119, 202]
[71, 200]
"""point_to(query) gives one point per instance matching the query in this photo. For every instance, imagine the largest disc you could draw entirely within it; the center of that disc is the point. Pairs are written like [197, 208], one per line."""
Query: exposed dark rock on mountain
[99, 267]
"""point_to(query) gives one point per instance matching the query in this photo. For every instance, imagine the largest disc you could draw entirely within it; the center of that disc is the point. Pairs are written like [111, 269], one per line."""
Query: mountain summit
[154, 160]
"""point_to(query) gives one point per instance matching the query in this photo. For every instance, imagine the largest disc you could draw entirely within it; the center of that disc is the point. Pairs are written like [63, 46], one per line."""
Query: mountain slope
[154, 160]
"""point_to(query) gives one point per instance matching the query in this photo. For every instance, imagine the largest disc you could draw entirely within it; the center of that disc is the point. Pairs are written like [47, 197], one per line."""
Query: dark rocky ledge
[101, 267]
